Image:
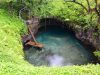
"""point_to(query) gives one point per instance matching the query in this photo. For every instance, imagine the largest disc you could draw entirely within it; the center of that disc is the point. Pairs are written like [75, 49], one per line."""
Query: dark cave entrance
[60, 44]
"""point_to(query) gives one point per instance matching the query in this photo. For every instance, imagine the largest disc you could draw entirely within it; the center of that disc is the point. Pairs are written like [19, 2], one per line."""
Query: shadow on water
[61, 48]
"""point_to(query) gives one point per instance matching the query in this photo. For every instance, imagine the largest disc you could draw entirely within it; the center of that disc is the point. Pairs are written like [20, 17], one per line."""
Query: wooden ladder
[33, 43]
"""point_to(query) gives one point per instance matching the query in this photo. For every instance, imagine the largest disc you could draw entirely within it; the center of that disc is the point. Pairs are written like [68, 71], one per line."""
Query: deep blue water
[61, 48]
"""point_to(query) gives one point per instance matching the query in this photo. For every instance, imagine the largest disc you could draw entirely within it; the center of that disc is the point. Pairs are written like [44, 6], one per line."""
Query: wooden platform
[31, 43]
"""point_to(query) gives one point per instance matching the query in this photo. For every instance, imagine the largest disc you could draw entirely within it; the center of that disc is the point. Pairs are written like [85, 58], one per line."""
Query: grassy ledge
[12, 57]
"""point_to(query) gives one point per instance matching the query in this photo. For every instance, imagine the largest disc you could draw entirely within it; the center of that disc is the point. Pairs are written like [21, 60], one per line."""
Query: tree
[88, 8]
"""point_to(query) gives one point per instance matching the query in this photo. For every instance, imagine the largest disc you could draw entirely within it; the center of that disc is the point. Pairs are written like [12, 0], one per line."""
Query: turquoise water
[61, 48]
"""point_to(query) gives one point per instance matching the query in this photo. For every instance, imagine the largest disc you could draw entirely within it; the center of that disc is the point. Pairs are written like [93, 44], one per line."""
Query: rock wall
[88, 36]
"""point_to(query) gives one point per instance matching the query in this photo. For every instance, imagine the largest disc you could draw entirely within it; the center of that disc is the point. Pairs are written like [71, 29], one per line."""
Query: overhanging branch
[96, 6]
[89, 8]
[78, 4]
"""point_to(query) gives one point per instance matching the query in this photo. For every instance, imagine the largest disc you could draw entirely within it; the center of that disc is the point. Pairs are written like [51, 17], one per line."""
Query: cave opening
[61, 47]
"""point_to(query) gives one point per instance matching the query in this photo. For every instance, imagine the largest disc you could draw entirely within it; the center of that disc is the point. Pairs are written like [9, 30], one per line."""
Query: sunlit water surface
[61, 48]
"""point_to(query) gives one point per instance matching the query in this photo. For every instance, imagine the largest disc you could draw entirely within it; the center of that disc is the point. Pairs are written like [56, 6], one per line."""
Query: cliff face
[88, 37]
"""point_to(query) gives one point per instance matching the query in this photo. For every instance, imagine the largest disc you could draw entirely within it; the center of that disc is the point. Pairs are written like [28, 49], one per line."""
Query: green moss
[97, 53]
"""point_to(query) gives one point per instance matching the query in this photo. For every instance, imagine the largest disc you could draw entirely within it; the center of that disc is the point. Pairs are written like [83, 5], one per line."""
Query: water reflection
[61, 48]
[55, 60]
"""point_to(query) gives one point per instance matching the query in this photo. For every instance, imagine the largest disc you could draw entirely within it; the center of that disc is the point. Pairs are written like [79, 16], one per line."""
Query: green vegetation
[84, 13]
[11, 28]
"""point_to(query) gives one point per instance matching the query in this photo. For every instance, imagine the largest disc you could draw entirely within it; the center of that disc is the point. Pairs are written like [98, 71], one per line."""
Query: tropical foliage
[80, 12]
